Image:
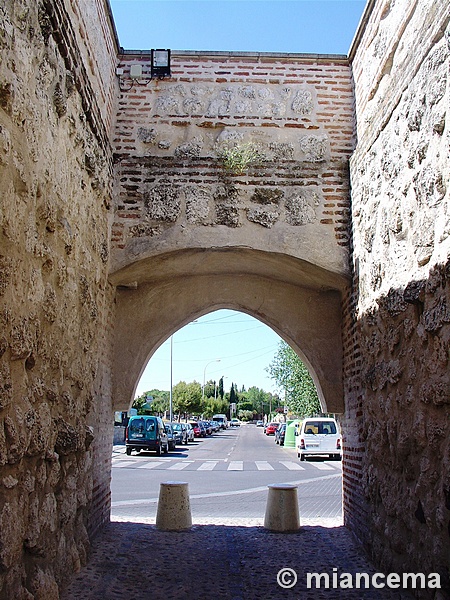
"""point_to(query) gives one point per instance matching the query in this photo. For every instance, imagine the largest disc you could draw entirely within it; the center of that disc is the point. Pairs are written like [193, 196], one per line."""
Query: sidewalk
[136, 561]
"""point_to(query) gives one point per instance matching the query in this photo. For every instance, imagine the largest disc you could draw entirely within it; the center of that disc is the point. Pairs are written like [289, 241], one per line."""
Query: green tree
[209, 391]
[186, 397]
[290, 373]
[233, 396]
[221, 389]
[158, 400]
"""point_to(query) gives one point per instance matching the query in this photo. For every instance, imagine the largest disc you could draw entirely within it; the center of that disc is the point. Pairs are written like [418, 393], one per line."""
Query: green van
[146, 433]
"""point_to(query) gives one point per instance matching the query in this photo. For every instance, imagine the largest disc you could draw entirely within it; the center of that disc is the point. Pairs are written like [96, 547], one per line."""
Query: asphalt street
[228, 474]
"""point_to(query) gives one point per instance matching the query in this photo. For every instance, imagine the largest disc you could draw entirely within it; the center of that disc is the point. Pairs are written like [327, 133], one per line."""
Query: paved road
[228, 475]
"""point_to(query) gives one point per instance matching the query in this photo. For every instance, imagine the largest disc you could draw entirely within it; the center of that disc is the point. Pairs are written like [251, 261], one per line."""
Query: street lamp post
[204, 375]
[171, 380]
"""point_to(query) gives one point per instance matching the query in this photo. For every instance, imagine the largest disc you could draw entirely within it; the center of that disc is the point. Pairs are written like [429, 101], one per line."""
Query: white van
[319, 436]
[222, 420]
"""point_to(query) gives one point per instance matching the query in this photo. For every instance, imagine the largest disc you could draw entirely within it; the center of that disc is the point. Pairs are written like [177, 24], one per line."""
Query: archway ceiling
[199, 262]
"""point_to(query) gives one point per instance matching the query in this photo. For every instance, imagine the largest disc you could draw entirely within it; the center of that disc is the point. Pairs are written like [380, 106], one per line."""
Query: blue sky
[244, 346]
[311, 26]
[224, 343]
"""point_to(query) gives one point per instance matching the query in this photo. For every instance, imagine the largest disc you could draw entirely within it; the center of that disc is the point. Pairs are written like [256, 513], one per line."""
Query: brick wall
[296, 110]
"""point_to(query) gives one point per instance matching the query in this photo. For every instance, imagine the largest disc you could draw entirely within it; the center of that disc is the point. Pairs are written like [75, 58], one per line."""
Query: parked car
[259, 423]
[215, 426]
[146, 433]
[207, 426]
[190, 432]
[319, 436]
[235, 423]
[280, 434]
[180, 433]
[170, 436]
[199, 429]
[271, 428]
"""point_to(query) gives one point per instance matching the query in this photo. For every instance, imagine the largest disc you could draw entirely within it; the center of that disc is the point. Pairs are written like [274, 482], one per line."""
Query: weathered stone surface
[300, 208]
[400, 214]
[263, 216]
[163, 202]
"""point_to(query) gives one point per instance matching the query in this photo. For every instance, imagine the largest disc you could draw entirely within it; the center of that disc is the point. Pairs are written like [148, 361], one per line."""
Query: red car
[199, 430]
[271, 428]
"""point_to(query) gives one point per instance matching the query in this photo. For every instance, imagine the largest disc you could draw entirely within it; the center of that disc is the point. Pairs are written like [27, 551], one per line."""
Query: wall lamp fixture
[160, 68]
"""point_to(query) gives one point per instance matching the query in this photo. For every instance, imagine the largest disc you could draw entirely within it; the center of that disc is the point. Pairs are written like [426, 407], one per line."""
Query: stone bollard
[174, 508]
[282, 508]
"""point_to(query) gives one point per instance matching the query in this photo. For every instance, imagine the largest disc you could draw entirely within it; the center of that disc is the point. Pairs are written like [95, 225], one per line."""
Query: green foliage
[159, 402]
[245, 415]
[239, 158]
[291, 374]
[211, 406]
[187, 397]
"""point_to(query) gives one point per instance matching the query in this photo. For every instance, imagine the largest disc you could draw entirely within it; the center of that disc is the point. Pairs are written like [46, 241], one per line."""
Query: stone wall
[55, 300]
[397, 453]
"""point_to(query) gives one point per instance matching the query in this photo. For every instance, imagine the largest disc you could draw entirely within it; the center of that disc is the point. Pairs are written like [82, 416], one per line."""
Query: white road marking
[236, 465]
[144, 501]
[179, 466]
[291, 465]
[263, 465]
[207, 466]
[322, 466]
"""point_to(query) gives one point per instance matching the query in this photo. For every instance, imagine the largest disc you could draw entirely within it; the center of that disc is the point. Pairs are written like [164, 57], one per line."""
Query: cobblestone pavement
[230, 560]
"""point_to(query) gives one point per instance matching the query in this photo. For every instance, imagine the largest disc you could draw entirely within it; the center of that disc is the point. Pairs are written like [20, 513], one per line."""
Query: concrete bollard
[174, 508]
[282, 508]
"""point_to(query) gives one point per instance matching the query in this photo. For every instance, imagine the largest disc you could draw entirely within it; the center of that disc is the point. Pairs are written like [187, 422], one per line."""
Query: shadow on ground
[137, 561]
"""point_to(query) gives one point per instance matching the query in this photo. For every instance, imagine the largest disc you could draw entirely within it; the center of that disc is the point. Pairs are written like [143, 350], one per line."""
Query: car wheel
[128, 451]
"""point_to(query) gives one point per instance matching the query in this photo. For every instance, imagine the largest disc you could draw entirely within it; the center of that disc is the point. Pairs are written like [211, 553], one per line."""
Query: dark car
[207, 426]
[280, 434]
[271, 428]
[170, 436]
[146, 433]
[180, 433]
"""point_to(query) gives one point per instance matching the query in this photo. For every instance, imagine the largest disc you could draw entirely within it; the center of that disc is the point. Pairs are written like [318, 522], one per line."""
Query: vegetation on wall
[239, 158]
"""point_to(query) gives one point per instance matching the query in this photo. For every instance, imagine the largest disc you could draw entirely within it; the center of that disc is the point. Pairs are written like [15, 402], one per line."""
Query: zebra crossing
[168, 464]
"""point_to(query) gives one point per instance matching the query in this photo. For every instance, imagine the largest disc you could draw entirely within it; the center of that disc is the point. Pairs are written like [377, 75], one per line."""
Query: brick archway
[158, 296]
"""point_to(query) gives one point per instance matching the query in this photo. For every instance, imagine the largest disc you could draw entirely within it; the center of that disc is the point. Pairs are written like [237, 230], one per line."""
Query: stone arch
[159, 295]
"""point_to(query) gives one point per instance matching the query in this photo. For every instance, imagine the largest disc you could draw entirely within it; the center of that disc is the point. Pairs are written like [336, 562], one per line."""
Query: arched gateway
[194, 231]
[311, 192]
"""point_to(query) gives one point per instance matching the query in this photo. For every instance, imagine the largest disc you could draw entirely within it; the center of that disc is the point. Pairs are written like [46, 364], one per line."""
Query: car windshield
[177, 426]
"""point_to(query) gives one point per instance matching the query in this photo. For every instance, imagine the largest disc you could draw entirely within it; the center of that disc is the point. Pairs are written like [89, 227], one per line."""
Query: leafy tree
[186, 397]
[245, 415]
[290, 373]
[245, 405]
[213, 406]
[159, 402]
[209, 390]
[221, 389]
[233, 396]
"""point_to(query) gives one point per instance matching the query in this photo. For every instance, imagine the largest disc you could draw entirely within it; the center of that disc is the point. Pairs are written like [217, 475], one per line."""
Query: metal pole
[204, 375]
[171, 379]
